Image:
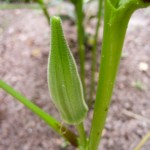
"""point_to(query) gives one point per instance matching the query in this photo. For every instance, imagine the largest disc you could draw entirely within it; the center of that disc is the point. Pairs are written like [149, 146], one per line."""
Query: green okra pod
[63, 79]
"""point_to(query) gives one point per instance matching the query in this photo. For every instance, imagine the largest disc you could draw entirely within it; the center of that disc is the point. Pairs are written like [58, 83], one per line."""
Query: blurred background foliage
[17, 1]
[27, 1]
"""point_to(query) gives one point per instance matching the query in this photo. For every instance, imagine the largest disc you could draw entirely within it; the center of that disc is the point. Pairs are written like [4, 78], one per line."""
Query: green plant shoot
[52, 122]
[63, 79]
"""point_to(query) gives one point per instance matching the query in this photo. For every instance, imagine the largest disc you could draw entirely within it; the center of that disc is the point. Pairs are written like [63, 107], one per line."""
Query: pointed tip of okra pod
[55, 19]
[55, 23]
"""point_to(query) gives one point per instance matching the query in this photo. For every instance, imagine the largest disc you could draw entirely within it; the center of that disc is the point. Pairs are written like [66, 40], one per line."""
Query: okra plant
[65, 86]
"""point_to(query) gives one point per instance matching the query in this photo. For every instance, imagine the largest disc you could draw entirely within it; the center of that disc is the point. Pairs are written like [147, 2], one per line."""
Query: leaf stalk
[80, 39]
[93, 67]
[52, 122]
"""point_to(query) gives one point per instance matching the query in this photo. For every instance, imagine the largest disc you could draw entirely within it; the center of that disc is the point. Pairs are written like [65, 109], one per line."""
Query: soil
[24, 48]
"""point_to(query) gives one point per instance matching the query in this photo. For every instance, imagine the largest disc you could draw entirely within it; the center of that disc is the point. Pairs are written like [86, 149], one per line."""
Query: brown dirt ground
[24, 47]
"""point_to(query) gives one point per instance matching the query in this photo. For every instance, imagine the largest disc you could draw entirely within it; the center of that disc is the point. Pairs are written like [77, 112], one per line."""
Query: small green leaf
[64, 83]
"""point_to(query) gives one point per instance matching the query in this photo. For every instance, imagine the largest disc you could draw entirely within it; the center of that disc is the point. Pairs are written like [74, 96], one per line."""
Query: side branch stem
[82, 137]
[45, 10]
[80, 38]
[94, 56]
[53, 123]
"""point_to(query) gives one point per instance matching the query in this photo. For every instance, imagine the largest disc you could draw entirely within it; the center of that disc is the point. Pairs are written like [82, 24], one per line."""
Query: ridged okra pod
[63, 79]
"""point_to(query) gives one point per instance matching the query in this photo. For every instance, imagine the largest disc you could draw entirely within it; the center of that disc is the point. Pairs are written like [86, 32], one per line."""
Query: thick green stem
[45, 11]
[80, 38]
[53, 123]
[94, 56]
[115, 23]
[82, 137]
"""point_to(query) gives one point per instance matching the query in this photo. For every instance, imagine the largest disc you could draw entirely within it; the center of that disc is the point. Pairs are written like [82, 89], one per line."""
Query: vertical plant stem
[80, 38]
[115, 24]
[93, 68]
[45, 11]
[82, 136]
[53, 123]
